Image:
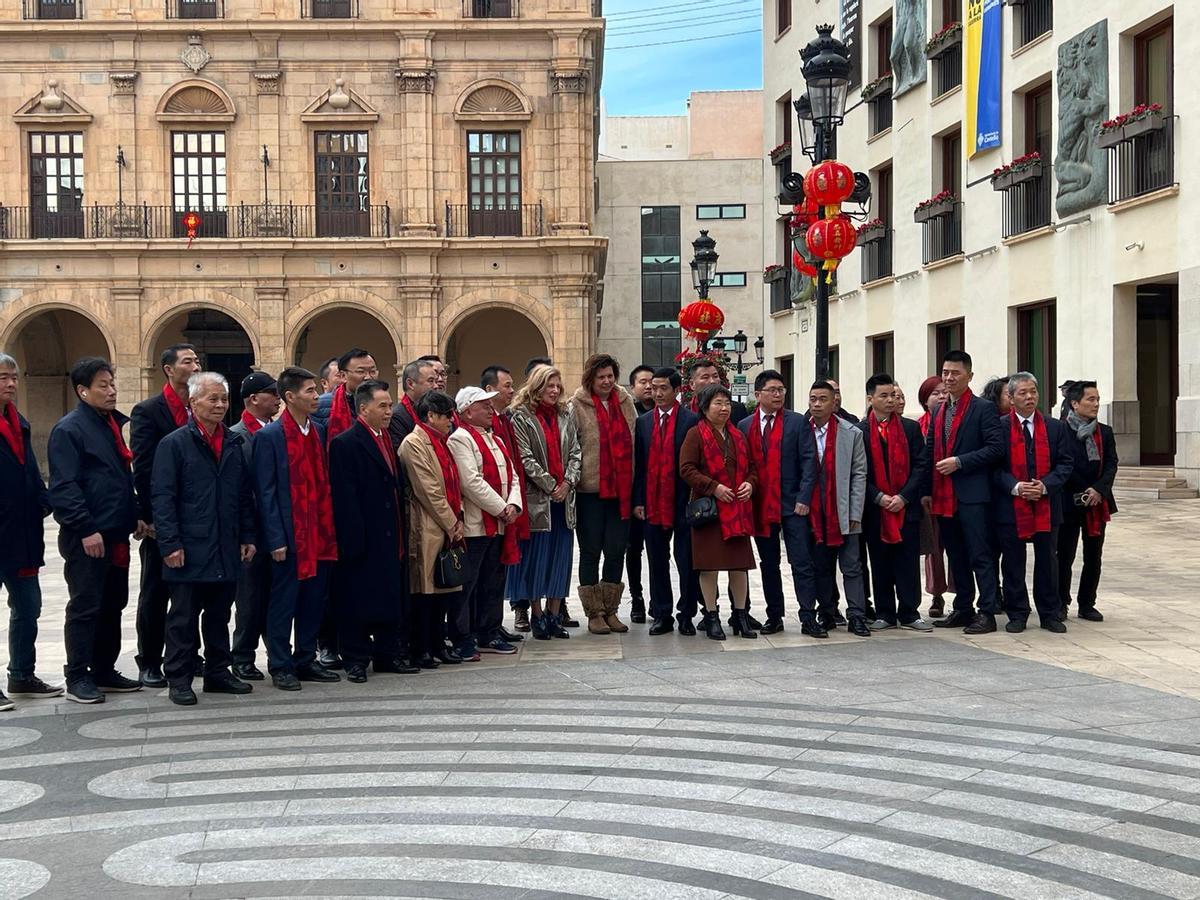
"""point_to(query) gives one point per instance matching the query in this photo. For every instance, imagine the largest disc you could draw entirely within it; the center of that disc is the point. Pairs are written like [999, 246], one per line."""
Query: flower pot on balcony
[872, 233]
[773, 275]
[940, 45]
[1110, 137]
[1013, 177]
[933, 211]
[1147, 123]
[780, 153]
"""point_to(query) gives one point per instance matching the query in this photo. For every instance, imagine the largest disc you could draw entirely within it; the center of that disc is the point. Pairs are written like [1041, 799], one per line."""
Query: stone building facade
[411, 176]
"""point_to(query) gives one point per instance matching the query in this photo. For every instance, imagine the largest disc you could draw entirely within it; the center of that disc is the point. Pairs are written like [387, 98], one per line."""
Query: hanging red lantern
[828, 184]
[701, 318]
[831, 240]
[802, 265]
[804, 214]
[191, 222]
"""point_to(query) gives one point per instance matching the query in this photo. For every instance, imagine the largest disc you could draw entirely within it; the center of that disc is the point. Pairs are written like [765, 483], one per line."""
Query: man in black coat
[639, 389]
[204, 513]
[1088, 500]
[151, 421]
[704, 372]
[23, 505]
[1027, 506]
[91, 490]
[419, 378]
[367, 481]
[892, 515]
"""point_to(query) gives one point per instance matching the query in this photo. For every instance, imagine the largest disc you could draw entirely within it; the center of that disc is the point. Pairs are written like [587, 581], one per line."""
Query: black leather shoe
[449, 658]
[317, 672]
[813, 628]
[872, 615]
[428, 661]
[84, 690]
[981, 624]
[152, 677]
[772, 626]
[510, 636]
[116, 683]
[247, 672]
[637, 611]
[521, 620]
[399, 666]
[937, 607]
[858, 626]
[741, 625]
[686, 626]
[1062, 613]
[328, 658]
[1055, 627]
[753, 622]
[182, 695]
[564, 617]
[827, 622]
[356, 674]
[712, 626]
[286, 681]
[661, 626]
[1015, 626]
[1090, 614]
[838, 618]
[224, 683]
[958, 618]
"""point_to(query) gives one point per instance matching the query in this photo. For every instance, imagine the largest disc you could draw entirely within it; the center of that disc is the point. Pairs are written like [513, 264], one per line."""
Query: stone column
[1121, 410]
[1187, 409]
[415, 130]
[572, 324]
[268, 77]
[271, 300]
[126, 300]
[572, 149]
[420, 301]
[123, 83]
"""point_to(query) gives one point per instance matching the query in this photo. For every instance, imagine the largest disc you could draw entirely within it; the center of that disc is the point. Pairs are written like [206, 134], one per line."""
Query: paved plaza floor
[905, 765]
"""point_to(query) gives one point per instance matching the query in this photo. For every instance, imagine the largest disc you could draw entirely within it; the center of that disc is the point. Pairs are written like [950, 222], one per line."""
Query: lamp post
[704, 268]
[120, 178]
[741, 342]
[265, 159]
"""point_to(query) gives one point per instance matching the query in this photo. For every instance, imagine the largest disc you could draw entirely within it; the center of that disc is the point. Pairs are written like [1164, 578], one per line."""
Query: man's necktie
[1030, 451]
[766, 436]
[949, 424]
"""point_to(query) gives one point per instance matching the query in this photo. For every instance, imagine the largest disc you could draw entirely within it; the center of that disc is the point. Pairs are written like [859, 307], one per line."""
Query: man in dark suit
[660, 499]
[152, 420]
[419, 378]
[897, 474]
[785, 455]
[639, 388]
[965, 442]
[1027, 507]
[838, 410]
[1088, 501]
[704, 372]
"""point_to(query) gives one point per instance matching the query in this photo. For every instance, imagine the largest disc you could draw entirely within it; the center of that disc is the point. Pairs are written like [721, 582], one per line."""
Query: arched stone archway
[496, 335]
[220, 341]
[335, 330]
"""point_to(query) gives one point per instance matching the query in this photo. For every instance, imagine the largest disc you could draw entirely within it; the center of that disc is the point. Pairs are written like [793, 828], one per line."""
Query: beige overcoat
[430, 519]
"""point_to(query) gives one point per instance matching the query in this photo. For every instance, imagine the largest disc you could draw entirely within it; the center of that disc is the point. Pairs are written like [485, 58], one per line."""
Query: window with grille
[342, 184]
[661, 284]
[199, 180]
[1037, 343]
[494, 164]
[883, 354]
[56, 184]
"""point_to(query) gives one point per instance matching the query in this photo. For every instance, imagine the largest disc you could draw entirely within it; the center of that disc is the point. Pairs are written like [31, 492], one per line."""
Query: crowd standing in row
[351, 532]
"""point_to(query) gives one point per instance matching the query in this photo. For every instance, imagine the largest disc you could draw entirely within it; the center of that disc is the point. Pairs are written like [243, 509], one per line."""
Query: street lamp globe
[804, 117]
[759, 346]
[826, 72]
[718, 344]
[739, 342]
[704, 262]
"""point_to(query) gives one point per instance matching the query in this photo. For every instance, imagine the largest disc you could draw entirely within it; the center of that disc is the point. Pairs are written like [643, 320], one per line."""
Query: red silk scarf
[340, 418]
[889, 478]
[1033, 516]
[253, 426]
[616, 453]
[384, 444]
[412, 409]
[502, 428]
[122, 449]
[660, 471]
[768, 499]
[215, 441]
[312, 503]
[449, 470]
[924, 423]
[1096, 516]
[944, 501]
[10, 430]
[826, 526]
[548, 418]
[179, 410]
[509, 554]
[737, 517]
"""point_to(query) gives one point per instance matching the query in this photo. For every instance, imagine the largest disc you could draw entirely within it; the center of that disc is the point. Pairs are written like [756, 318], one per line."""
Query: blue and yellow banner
[982, 64]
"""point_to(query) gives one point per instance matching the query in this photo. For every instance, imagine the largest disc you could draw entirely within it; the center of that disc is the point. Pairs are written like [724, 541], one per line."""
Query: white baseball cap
[469, 395]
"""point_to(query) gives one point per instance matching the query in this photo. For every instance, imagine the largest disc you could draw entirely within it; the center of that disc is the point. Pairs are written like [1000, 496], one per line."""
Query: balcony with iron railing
[489, 9]
[329, 9]
[877, 257]
[1032, 19]
[51, 9]
[941, 234]
[1141, 159]
[470, 220]
[879, 112]
[781, 290]
[1027, 201]
[194, 9]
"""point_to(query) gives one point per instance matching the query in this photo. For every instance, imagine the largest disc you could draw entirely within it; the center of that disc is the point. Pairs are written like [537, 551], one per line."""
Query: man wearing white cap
[491, 491]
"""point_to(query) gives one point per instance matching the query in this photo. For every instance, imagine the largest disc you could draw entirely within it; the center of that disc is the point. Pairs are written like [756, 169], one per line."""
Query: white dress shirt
[820, 432]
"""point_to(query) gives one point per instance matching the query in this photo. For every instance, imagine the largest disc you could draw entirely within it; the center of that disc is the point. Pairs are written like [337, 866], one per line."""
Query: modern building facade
[660, 180]
[1072, 264]
[279, 180]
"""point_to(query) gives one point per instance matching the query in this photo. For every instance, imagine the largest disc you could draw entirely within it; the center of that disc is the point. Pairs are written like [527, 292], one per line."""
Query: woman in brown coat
[715, 461]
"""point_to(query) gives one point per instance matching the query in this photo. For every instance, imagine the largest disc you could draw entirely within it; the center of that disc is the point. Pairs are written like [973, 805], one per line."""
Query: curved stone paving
[684, 777]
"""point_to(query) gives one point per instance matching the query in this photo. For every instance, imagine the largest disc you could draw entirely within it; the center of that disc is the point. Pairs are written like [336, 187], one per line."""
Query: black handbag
[701, 511]
[450, 567]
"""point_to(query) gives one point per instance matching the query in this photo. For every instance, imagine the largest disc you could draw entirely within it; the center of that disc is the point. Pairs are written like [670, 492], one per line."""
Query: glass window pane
[733, 212]
[35, 143]
[514, 142]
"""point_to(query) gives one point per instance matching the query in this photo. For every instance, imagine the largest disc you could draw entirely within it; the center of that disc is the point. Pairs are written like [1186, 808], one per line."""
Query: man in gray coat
[836, 513]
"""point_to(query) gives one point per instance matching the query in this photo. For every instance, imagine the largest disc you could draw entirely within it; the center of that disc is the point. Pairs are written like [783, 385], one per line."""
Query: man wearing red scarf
[151, 421]
[1028, 505]
[896, 474]
[291, 479]
[91, 491]
[419, 378]
[23, 505]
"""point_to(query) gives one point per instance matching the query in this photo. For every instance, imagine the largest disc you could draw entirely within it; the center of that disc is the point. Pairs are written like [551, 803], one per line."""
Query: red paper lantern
[829, 183]
[701, 318]
[831, 240]
[802, 265]
[804, 214]
[191, 222]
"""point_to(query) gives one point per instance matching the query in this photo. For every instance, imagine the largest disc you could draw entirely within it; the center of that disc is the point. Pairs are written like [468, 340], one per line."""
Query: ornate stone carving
[1081, 167]
[908, 46]
[338, 98]
[573, 81]
[123, 83]
[267, 82]
[194, 56]
[415, 81]
[51, 101]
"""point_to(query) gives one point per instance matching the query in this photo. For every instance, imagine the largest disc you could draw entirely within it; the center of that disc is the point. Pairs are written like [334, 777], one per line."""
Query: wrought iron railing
[490, 9]
[880, 112]
[1027, 205]
[947, 70]
[1034, 18]
[877, 258]
[941, 236]
[1142, 163]
[292, 221]
[329, 9]
[195, 9]
[51, 9]
[469, 220]
[781, 294]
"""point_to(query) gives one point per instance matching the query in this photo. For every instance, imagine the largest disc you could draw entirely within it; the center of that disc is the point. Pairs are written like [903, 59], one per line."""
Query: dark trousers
[484, 590]
[848, 558]
[1045, 573]
[661, 545]
[153, 597]
[202, 607]
[294, 604]
[633, 558]
[327, 633]
[1069, 535]
[794, 530]
[428, 631]
[250, 608]
[965, 537]
[24, 608]
[367, 635]
[98, 592]
[601, 532]
[896, 573]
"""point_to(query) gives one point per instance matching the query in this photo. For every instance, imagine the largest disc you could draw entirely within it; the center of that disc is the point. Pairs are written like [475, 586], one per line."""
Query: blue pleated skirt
[546, 561]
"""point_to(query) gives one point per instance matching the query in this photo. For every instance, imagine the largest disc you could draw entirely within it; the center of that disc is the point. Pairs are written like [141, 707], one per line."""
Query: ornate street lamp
[827, 75]
[704, 264]
[265, 159]
[804, 117]
[759, 346]
[120, 178]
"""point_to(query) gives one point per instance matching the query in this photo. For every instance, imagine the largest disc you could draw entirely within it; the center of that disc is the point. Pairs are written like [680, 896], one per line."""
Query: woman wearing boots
[715, 461]
[549, 448]
[605, 415]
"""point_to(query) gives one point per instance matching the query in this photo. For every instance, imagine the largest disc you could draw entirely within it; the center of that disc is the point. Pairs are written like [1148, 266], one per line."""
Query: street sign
[740, 389]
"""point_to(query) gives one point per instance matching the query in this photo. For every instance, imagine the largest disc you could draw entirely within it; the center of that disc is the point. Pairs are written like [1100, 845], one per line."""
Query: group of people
[344, 531]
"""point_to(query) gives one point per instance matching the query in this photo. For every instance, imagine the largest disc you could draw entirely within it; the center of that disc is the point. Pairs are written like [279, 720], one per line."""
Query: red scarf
[1096, 516]
[892, 477]
[548, 418]
[449, 470]
[826, 526]
[510, 555]
[389, 459]
[1033, 516]
[179, 410]
[660, 470]
[412, 410]
[253, 426]
[502, 428]
[768, 499]
[616, 452]
[312, 504]
[122, 450]
[10, 430]
[215, 441]
[944, 501]
[924, 423]
[340, 418]
[737, 517]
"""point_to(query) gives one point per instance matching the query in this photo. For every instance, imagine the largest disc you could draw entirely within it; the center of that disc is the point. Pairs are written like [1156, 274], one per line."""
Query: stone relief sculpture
[908, 46]
[1081, 166]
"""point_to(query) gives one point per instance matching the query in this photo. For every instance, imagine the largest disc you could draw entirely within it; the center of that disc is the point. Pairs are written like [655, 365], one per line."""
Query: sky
[656, 80]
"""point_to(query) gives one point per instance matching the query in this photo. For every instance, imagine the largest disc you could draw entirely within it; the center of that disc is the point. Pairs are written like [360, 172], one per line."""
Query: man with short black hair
[151, 421]
[439, 370]
[356, 365]
[329, 376]
[535, 361]
[703, 372]
[639, 389]
[498, 380]
[418, 379]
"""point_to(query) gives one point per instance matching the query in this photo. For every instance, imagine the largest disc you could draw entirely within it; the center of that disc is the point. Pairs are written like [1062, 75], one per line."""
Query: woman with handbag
[436, 558]
[716, 463]
[550, 454]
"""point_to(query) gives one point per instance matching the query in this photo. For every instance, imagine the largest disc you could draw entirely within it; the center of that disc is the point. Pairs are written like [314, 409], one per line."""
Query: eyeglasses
[774, 390]
[361, 371]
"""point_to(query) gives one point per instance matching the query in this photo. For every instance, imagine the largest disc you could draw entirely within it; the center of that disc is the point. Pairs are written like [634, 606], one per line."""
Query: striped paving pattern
[664, 778]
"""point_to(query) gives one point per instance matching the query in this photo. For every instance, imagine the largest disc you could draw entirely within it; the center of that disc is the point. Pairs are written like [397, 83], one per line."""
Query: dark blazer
[1087, 473]
[401, 426]
[324, 408]
[367, 510]
[273, 487]
[91, 488]
[643, 434]
[798, 464]
[980, 445]
[202, 506]
[918, 484]
[1060, 470]
[150, 422]
[24, 502]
